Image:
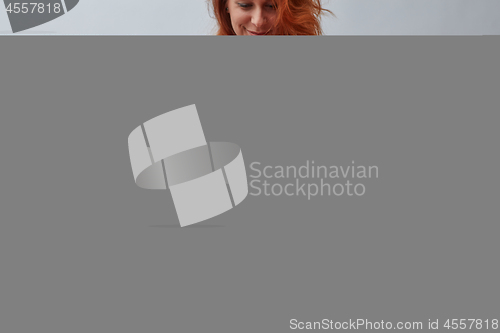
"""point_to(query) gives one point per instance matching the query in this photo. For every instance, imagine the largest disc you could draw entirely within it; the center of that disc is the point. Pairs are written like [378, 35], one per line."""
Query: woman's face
[252, 17]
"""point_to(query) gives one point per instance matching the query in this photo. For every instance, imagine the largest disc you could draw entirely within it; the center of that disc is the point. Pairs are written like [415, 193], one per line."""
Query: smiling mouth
[254, 33]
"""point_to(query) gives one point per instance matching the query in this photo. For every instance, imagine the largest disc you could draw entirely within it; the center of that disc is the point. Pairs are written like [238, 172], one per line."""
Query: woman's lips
[255, 33]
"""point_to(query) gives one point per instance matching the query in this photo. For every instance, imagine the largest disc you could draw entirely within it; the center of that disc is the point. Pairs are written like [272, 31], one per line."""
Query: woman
[268, 17]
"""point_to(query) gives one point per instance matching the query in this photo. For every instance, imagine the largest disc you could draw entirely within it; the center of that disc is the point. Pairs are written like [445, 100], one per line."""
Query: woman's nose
[258, 18]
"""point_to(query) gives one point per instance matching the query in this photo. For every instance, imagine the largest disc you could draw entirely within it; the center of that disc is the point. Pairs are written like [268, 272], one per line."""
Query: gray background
[354, 17]
[83, 249]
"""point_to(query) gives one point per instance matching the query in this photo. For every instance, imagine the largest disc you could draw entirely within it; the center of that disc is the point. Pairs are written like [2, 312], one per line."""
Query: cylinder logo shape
[205, 179]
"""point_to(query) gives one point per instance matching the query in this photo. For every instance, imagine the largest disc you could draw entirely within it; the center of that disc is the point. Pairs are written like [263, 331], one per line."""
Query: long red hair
[294, 17]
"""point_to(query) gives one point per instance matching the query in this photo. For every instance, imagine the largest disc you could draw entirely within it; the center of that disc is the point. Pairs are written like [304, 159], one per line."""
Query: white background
[354, 17]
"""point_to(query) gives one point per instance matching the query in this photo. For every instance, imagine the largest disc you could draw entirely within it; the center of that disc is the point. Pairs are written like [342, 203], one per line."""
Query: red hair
[294, 17]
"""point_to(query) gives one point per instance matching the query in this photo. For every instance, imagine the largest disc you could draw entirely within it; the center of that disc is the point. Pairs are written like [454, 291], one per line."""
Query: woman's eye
[249, 5]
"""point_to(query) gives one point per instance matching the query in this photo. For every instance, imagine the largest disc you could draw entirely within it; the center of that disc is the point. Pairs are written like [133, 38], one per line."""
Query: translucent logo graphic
[171, 151]
[26, 15]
